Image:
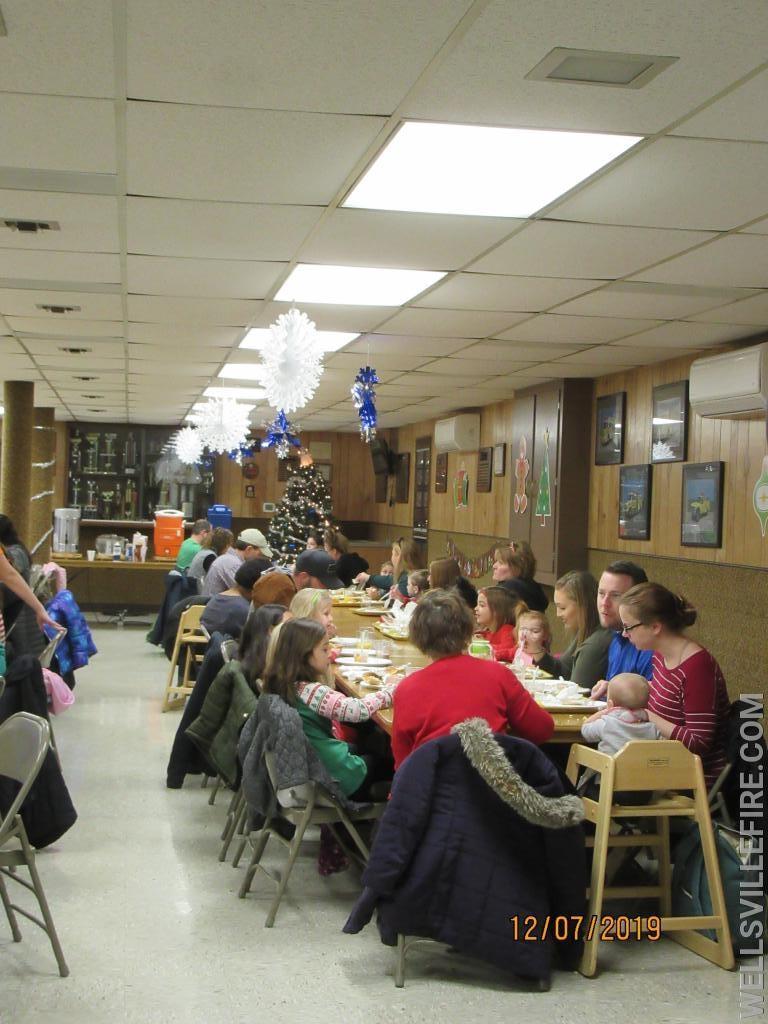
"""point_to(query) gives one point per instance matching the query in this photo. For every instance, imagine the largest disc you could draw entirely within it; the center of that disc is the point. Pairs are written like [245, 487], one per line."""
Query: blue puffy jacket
[77, 646]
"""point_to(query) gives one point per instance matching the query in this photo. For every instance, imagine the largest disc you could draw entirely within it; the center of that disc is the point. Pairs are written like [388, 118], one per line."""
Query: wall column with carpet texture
[16, 478]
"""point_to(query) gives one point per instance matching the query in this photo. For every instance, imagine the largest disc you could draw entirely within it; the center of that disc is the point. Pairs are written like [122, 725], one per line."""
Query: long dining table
[349, 622]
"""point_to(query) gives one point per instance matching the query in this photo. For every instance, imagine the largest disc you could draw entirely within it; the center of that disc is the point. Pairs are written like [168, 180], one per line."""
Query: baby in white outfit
[624, 716]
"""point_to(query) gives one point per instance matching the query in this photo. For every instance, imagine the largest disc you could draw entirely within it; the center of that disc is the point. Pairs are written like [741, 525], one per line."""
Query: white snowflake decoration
[188, 445]
[662, 452]
[222, 424]
[292, 362]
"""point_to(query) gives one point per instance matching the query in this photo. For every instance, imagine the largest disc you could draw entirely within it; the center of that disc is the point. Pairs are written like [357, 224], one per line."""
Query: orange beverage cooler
[169, 533]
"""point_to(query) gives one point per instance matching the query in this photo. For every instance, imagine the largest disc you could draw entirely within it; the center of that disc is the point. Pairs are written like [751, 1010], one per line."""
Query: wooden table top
[68, 562]
[567, 724]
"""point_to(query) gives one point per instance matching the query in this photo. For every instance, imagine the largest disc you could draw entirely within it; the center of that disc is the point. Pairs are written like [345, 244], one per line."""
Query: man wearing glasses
[623, 656]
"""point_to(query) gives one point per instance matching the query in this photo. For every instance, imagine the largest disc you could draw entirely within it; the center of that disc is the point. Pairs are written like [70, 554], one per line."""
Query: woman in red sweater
[496, 615]
[456, 686]
[688, 700]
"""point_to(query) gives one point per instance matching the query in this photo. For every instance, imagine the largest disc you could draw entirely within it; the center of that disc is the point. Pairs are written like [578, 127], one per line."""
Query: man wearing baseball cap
[316, 569]
[251, 543]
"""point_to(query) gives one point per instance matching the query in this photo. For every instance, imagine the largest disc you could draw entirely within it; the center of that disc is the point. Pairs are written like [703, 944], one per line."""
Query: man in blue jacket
[623, 656]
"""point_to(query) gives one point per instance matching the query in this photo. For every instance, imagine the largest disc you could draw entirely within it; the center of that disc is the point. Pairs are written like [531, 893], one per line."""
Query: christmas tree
[543, 501]
[306, 505]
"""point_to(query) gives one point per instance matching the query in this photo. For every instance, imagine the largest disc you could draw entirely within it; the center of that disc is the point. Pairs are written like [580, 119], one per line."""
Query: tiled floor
[154, 932]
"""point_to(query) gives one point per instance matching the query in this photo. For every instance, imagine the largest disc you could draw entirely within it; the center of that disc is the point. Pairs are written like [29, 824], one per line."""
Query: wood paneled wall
[740, 444]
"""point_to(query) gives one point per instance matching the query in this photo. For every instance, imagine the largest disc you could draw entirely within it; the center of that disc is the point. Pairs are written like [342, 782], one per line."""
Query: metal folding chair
[24, 743]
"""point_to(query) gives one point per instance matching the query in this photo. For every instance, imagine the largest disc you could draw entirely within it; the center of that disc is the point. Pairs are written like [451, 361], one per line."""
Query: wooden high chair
[665, 768]
[192, 639]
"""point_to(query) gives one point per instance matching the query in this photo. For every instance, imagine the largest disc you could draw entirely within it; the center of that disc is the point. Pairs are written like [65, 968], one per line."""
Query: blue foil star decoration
[281, 436]
[364, 397]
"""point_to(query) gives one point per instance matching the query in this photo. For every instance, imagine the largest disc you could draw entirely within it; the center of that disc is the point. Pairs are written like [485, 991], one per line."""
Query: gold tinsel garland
[472, 567]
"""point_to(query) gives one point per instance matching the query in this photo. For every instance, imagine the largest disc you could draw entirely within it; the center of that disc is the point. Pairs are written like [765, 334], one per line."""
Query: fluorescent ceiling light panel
[355, 286]
[481, 171]
[242, 371]
[330, 341]
[246, 393]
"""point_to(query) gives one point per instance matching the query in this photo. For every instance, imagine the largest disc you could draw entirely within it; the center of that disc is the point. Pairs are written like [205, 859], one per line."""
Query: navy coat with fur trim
[453, 861]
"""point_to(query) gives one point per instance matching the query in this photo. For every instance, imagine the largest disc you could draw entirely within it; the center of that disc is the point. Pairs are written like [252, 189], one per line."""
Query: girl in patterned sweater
[296, 665]
[496, 614]
[688, 700]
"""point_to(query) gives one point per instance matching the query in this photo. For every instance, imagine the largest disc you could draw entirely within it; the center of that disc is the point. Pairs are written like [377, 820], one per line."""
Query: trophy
[76, 452]
[107, 502]
[75, 491]
[92, 453]
[108, 455]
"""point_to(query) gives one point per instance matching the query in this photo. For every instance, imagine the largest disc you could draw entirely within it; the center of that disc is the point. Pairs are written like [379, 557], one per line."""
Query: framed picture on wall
[669, 430]
[702, 511]
[499, 459]
[609, 429]
[325, 469]
[484, 466]
[635, 502]
[287, 467]
[250, 491]
[441, 473]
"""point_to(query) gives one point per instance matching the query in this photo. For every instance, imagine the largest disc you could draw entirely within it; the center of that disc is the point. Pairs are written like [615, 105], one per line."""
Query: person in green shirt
[198, 539]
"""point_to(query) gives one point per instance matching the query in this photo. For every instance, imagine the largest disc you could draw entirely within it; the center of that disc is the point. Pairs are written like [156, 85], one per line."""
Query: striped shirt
[693, 697]
[331, 704]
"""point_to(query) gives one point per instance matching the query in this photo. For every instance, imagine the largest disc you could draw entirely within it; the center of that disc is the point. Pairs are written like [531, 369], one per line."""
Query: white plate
[370, 611]
[370, 662]
[345, 641]
[551, 704]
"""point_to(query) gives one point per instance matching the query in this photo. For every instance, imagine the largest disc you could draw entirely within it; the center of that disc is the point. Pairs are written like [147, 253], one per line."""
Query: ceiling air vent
[96, 410]
[52, 308]
[599, 67]
[85, 378]
[93, 397]
[75, 351]
[31, 226]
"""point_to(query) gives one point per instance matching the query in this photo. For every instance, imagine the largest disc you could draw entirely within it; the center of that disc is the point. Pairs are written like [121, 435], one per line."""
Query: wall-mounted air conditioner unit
[458, 434]
[734, 384]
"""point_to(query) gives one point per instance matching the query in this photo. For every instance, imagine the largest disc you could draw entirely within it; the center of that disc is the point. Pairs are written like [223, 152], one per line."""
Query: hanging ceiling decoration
[221, 425]
[364, 397]
[188, 445]
[293, 362]
[282, 435]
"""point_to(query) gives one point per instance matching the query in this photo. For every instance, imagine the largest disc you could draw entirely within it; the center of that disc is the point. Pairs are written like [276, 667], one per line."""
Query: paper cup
[91, 555]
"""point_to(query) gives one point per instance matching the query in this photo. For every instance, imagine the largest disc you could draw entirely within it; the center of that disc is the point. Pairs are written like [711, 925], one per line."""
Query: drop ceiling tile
[57, 48]
[235, 231]
[739, 115]
[24, 302]
[171, 309]
[60, 266]
[351, 361]
[600, 355]
[476, 365]
[643, 355]
[256, 156]
[226, 279]
[158, 367]
[87, 223]
[412, 345]
[596, 369]
[285, 55]
[177, 350]
[183, 334]
[753, 310]
[738, 261]
[678, 183]
[576, 330]
[422, 241]
[44, 347]
[59, 133]
[86, 363]
[512, 351]
[549, 248]
[482, 76]
[424, 380]
[499, 292]
[451, 323]
[758, 228]
[657, 301]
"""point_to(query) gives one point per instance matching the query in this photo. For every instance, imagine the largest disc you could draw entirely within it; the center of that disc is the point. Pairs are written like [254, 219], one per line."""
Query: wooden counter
[567, 724]
[107, 585]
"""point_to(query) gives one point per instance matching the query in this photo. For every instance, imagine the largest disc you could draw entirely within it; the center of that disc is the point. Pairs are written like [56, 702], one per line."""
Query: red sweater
[694, 698]
[434, 699]
[502, 642]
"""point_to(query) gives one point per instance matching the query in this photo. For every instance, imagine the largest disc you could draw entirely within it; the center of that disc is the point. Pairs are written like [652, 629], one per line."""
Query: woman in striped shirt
[688, 700]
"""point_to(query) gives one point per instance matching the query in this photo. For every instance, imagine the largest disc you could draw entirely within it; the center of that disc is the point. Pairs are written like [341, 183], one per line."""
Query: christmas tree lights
[306, 505]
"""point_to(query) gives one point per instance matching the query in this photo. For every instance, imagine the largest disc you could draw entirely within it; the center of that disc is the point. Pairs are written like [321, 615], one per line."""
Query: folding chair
[229, 650]
[302, 806]
[191, 638]
[663, 767]
[24, 742]
[46, 659]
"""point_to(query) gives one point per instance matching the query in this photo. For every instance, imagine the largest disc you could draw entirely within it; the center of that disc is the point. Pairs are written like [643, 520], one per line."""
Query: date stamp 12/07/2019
[562, 928]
